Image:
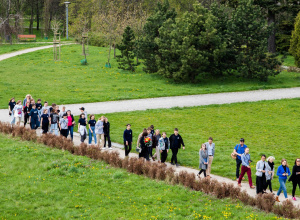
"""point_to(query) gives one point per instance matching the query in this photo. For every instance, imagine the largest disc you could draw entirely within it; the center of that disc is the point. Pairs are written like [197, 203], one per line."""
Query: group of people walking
[44, 116]
[150, 139]
[52, 119]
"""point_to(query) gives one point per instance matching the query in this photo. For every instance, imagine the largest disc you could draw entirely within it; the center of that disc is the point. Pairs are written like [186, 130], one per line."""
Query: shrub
[295, 41]
[265, 201]
[138, 166]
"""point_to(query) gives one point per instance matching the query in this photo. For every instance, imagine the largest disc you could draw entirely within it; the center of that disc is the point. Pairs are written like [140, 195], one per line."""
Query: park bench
[22, 37]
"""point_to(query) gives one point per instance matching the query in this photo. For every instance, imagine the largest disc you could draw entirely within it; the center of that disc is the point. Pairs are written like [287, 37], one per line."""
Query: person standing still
[127, 137]
[175, 144]
[261, 174]
[210, 146]
[239, 149]
[246, 168]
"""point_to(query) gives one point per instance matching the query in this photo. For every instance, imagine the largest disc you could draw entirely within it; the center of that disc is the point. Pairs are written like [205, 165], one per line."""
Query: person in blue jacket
[34, 117]
[283, 172]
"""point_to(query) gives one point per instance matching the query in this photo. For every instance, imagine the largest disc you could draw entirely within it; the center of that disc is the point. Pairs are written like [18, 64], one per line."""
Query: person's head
[64, 108]
[45, 104]
[33, 106]
[69, 112]
[128, 126]
[247, 150]
[203, 147]
[284, 162]
[148, 130]
[53, 105]
[271, 159]
[152, 127]
[81, 109]
[164, 134]
[65, 116]
[82, 115]
[56, 107]
[12, 99]
[210, 140]
[105, 119]
[39, 101]
[53, 110]
[27, 104]
[145, 133]
[19, 102]
[28, 97]
[176, 131]
[92, 117]
[242, 141]
[157, 132]
[263, 157]
[297, 162]
[32, 101]
[102, 118]
[45, 111]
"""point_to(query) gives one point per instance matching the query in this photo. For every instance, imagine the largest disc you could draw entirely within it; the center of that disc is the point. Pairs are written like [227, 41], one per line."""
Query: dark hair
[242, 140]
[263, 155]
[152, 126]
[12, 99]
[175, 129]
[53, 110]
[45, 102]
[164, 132]
[82, 115]
[210, 138]
[128, 124]
[296, 161]
[39, 100]
[149, 128]
[65, 115]
[33, 105]
[53, 104]
[91, 116]
[145, 132]
[285, 161]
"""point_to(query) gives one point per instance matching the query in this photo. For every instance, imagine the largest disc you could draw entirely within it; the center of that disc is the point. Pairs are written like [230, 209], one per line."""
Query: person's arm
[213, 150]
[288, 171]
[138, 140]
[280, 171]
[90, 128]
[41, 120]
[131, 136]
[183, 146]
[171, 141]
[59, 126]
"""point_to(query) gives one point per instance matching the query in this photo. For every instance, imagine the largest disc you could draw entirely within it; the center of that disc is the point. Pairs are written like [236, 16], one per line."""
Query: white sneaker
[110, 148]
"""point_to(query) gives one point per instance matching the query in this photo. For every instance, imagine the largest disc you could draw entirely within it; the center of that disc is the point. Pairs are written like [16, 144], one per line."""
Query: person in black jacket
[175, 144]
[127, 137]
[106, 129]
[295, 177]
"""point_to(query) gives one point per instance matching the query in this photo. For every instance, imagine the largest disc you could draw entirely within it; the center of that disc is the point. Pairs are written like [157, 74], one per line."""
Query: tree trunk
[31, 18]
[271, 40]
[114, 50]
[37, 16]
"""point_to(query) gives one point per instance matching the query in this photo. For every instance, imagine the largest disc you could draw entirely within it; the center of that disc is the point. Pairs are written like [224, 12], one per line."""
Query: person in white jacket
[261, 167]
[18, 113]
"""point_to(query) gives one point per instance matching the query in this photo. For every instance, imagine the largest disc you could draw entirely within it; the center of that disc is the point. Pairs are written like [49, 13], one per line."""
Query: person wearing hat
[63, 125]
[83, 112]
[239, 149]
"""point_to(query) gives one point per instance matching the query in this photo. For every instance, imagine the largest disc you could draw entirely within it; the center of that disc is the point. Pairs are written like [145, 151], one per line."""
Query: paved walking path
[169, 102]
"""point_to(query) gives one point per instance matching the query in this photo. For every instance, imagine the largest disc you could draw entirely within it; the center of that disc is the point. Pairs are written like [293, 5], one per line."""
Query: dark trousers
[107, 137]
[164, 155]
[127, 148]
[144, 153]
[260, 183]
[295, 183]
[34, 123]
[45, 127]
[64, 132]
[238, 165]
[204, 171]
[26, 117]
[268, 184]
[174, 155]
[83, 137]
[148, 153]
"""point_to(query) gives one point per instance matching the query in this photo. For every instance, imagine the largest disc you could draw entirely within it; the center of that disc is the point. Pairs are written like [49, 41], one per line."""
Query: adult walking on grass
[71, 123]
[295, 177]
[283, 172]
[17, 112]
[269, 173]
[127, 137]
[92, 128]
[175, 144]
[246, 160]
[164, 147]
[11, 106]
[210, 146]
[106, 130]
[261, 167]
[203, 161]
[82, 127]
[239, 149]
[99, 132]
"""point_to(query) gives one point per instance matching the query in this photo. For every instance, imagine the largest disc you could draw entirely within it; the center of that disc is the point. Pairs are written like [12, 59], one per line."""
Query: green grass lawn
[7, 48]
[288, 61]
[42, 183]
[67, 81]
[269, 127]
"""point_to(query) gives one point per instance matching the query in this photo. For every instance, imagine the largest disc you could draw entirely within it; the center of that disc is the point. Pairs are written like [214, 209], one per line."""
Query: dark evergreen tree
[295, 41]
[148, 47]
[126, 59]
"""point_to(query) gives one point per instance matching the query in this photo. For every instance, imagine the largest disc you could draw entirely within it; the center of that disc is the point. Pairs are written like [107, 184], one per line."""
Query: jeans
[92, 134]
[12, 121]
[70, 130]
[248, 171]
[34, 123]
[54, 127]
[282, 187]
[238, 165]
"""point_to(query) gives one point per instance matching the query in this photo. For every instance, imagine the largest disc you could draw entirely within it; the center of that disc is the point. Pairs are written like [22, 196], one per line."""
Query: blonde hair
[27, 96]
[270, 157]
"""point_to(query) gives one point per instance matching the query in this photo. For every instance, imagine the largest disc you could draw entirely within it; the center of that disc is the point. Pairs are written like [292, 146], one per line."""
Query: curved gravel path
[169, 102]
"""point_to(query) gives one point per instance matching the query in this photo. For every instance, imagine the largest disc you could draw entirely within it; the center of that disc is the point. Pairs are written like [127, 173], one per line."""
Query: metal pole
[67, 22]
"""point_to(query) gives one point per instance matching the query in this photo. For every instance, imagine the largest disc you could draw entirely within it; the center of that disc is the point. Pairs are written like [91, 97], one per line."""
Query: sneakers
[177, 165]
[252, 187]
[277, 199]
[110, 148]
[240, 185]
[172, 163]
[294, 198]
